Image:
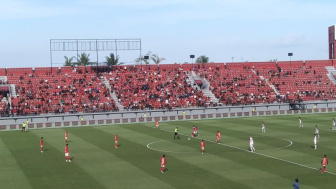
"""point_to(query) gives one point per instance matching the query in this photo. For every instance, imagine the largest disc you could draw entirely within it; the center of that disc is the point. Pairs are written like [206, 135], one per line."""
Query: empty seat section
[2, 71]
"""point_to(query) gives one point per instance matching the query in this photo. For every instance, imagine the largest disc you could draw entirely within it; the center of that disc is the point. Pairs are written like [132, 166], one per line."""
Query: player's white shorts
[202, 148]
[195, 132]
[115, 141]
[315, 142]
[251, 145]
[66, 154]
[162, 165]
[66, 138]
[41, 146]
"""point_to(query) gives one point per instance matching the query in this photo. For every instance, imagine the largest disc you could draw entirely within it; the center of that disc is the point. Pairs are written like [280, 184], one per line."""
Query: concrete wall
[108, 118]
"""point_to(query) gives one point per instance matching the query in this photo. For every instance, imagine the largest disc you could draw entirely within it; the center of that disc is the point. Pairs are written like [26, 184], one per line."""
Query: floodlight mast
[290, 59]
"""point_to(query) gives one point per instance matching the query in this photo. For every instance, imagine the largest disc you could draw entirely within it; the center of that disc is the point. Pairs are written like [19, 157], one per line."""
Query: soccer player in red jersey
[202, 146]
[163, 162]
[194, 131]
[157, 125]
[67, 154]
[324, 163]
[218, 136]
[116, 140]
[66, 136]
[41, 144]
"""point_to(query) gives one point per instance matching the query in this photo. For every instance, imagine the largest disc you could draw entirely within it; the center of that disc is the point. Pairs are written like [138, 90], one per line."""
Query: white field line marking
[298, 164]
[290, 144]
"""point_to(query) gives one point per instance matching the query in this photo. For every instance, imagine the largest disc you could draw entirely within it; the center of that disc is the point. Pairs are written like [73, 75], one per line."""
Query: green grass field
[284, 153]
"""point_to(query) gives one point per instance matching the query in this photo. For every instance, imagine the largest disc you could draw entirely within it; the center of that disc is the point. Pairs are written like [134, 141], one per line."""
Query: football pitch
[283, 153]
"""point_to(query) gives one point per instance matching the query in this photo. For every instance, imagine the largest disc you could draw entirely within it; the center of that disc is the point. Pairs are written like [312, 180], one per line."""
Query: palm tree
[139, 59]
[142, 58]
[84, 59]
[68, 61]
[156, 59]
[202, 59]
[112, 60]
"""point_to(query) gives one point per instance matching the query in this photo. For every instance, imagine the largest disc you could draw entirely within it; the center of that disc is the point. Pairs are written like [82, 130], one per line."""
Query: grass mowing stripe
[40, 168]
[11, 172]
[148, 161]
[304, 146]
[105, 167]
[281, 169]
[225, 164]
[260, 154]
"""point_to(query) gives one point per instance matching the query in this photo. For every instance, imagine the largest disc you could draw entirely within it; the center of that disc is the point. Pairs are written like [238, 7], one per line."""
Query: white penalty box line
[298, 164]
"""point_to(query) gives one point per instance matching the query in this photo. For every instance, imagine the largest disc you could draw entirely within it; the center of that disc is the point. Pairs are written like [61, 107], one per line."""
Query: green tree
[156, 59]
[202, 59]
[68, 61]
[83, 60]
[112, 60]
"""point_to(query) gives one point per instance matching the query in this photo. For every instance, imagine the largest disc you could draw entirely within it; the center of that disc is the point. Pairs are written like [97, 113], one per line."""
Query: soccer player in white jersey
[333, 124]
[317, 132]
[263, 128]
[300, 122]
[315, 141]
[252, 144]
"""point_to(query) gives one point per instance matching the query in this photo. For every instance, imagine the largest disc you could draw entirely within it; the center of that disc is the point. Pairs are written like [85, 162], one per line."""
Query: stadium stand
[59, 93]
[238, 85]
[161, 87]
[301, 83]
[2, 71]
[84, 89]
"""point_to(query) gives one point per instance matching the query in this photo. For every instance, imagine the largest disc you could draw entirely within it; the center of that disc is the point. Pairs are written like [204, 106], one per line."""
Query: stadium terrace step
[331, 73]
[272, 86]
[12, 90]
[205, 88]
[114, 97]
[191, 81]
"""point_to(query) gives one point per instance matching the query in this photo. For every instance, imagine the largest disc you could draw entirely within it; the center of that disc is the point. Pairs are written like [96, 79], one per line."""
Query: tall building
[332, 42]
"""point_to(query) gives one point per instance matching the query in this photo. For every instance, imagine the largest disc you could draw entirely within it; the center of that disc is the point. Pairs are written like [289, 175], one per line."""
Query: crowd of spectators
[238, 86]
[147, 88]
[60, 93]
[155, 88]
[301, 83]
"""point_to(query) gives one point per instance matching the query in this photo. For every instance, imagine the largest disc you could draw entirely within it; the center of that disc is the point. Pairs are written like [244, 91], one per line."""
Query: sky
[225, 31]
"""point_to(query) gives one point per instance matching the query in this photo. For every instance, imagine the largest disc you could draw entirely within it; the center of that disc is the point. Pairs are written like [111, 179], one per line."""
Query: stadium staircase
[331, 73]
[191, 80]
[3, 79]
[205, 88]
[5, 100]
[113, 95]
[12, 90]
[266, 80]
